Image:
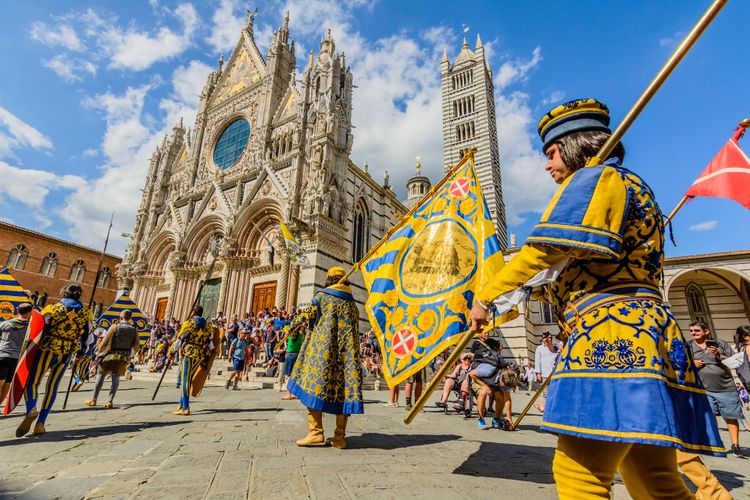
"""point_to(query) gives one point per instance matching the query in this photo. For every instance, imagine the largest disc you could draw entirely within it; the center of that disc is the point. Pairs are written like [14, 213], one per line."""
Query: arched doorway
[718, 296]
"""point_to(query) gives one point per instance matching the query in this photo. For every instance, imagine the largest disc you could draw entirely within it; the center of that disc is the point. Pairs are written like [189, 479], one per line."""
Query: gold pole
[677, 208]
[658, 80]
[533, 400]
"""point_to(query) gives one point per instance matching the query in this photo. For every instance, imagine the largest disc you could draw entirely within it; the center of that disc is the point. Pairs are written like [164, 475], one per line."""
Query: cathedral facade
[264, 148]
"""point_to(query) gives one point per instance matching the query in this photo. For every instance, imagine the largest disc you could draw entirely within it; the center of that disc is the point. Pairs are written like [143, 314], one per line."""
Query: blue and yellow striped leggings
[189, 367]
[56, 364]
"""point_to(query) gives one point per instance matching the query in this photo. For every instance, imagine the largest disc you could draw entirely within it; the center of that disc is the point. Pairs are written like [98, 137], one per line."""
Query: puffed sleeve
[585, 216]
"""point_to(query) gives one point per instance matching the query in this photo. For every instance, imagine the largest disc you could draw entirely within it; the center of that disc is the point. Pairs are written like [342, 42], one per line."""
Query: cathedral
[264, 148]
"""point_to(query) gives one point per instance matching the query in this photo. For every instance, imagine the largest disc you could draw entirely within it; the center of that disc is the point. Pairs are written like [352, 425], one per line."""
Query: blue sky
[90, 88]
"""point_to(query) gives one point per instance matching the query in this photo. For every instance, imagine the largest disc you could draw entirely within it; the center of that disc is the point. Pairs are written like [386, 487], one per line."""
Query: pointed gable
[288, 107]
[244, 68]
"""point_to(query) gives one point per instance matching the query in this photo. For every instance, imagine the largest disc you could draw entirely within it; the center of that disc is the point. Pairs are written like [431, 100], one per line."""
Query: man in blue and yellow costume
[327, 376]
[196, 344]
[624, 395]
[66, 326]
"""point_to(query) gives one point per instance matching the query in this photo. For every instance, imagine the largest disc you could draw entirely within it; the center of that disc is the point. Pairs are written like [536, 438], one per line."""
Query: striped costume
[67, 322]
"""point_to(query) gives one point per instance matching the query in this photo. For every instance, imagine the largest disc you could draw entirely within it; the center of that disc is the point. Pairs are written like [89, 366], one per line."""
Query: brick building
[44, 264]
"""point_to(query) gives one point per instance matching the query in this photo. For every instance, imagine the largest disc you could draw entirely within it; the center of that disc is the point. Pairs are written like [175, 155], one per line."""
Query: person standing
[194, 345]
[708, 355]
[529, 376]
[12, 334]
[115, 350]
[327, 375]
[545, 357]
[238, 355]
[66, 326]
[617, 393]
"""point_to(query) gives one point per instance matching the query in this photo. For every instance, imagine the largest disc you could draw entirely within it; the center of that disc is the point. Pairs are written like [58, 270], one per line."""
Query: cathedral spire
[465, 45]
[479, 42]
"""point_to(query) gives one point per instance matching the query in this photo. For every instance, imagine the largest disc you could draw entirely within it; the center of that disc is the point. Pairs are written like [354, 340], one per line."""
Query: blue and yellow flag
[421, 280]
[11, 295]
[112, 314]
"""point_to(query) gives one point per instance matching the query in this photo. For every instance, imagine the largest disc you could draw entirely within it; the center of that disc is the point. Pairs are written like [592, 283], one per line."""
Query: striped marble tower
[469, 121]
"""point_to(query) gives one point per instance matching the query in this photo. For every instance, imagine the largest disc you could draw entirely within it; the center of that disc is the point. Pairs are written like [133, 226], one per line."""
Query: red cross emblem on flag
[460, 187]
[403, 343]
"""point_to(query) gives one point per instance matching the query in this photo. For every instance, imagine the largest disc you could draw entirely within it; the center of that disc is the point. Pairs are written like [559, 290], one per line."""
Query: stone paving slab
[240, 444]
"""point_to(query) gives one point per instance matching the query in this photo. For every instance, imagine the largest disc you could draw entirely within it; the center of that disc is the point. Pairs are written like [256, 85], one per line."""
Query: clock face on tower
[231, 144]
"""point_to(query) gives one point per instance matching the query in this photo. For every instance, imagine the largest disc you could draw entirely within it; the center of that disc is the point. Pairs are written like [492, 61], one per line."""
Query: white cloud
[121, 46]
[227, 21]
[553, 98]
[90, 153]
[63, 35]
[30, 187]
[672, 40]
[138, 50]
[69, 69]
[518, 70]
[19, 134]
[704, 226]
[189, 80]
[526, 186]
[131, 137]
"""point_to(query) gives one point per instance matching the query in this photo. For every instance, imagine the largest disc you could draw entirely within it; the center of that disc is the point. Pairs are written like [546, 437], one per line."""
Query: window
[77, 271]
[104, 276]
[546, 313]
[231, 143]
[49, 265]
[361, 233]
[698, 305]
[17, 258]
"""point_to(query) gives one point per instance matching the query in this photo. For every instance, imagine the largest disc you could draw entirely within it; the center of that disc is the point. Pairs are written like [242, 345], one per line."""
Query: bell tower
[469, 122]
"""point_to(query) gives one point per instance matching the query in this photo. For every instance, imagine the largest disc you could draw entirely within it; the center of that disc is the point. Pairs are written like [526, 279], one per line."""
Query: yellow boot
[315, 434]
[338, 440]
[708, 486]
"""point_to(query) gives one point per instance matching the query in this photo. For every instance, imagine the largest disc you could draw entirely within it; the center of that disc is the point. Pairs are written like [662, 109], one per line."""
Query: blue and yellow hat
[573, 116]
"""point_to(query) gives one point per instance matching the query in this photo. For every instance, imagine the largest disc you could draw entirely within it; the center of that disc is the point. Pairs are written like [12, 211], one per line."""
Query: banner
[112, 315]
[421, 280]
[11, 295]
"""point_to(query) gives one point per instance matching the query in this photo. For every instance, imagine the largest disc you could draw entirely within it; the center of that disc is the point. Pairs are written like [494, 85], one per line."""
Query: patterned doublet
[196, 344]
[625, 374]
[66, 326]
[327, 375]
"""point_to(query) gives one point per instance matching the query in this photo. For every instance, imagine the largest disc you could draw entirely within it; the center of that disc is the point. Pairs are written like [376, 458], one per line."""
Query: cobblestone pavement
[240, 444]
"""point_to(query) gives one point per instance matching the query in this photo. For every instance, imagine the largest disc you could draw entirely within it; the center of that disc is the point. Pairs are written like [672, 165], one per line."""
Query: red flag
[727, 175]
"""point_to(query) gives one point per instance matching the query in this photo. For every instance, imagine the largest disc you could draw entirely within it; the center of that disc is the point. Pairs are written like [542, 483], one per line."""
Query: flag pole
[658, 80]
[743, 125]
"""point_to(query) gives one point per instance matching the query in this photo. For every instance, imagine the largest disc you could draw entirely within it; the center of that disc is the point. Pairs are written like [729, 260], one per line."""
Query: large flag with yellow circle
[11, 295]
[112, 315]
[421, 280]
